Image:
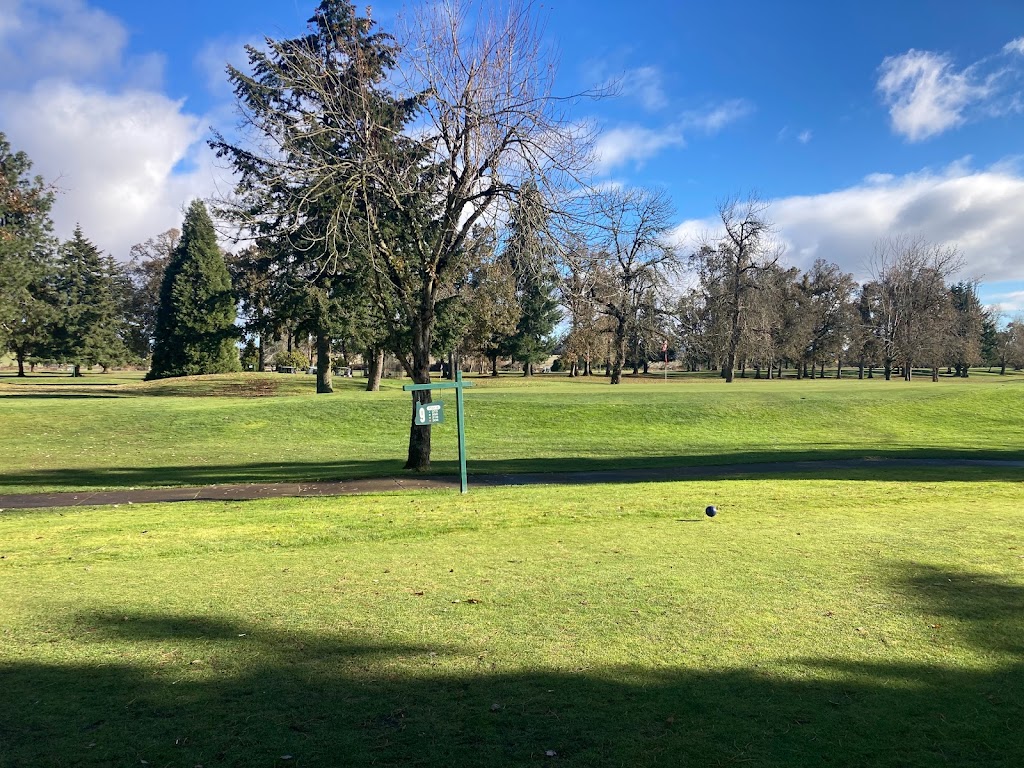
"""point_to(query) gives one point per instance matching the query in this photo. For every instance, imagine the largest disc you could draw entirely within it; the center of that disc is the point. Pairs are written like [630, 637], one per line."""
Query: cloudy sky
[857, 120]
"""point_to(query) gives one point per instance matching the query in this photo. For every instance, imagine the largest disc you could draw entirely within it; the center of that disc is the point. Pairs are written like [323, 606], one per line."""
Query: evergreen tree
[89, 318]
[968, 333]
[26, 256]
[195, 325]
[529, 255]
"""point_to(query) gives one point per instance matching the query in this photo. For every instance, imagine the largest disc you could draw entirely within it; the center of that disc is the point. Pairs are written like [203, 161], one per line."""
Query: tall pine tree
[195, 325]
[26, 256]
[89, 318]
[529, 256]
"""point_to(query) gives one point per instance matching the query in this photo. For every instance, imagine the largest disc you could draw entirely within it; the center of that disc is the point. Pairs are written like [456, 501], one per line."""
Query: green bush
[293, 359]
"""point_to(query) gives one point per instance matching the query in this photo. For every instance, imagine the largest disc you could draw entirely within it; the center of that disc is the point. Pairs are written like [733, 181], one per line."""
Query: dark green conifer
[195, 326]
[88, 320]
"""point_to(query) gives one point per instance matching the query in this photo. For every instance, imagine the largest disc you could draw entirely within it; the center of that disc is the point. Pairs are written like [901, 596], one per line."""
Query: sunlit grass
[840, 621]
[252, 428]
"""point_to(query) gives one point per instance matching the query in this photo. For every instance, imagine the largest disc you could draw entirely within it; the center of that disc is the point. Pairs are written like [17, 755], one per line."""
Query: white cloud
[715, 117]
[116, 157]
[46, 38]
[976, 210]
[125, 157]
[1015, 46]
[1010, 303]
[633, 144]
[924, 94]
[644, 84]
[805, 136]
[928, 95]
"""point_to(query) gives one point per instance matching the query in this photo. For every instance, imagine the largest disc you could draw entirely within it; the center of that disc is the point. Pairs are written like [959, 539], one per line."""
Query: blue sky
[858, 120]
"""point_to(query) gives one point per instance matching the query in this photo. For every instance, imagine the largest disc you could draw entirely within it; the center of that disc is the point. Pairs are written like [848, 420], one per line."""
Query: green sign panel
[429, 413]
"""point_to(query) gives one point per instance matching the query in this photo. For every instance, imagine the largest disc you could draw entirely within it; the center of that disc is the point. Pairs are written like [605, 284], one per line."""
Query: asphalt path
[412, 482]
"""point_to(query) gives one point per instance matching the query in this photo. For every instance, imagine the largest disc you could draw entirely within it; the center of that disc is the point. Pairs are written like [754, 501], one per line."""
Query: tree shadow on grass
[229, 693]
[58, 396]
[908, 463]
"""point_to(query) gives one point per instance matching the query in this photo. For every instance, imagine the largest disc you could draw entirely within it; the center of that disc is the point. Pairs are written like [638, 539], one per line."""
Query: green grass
[267, 427]
[842, 621]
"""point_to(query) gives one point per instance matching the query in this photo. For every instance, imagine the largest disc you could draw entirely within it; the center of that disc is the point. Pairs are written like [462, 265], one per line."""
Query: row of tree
[171, 303]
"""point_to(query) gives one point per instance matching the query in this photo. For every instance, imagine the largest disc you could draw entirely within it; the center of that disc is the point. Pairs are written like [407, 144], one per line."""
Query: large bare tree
[915, 313]
[630, 255]
[745, 248]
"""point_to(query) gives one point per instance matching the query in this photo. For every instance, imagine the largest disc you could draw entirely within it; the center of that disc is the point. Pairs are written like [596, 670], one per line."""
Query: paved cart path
[413, 482]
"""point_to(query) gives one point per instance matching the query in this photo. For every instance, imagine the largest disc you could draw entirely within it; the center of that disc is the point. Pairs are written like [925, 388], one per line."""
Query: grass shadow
[242, 696]
[919, 464]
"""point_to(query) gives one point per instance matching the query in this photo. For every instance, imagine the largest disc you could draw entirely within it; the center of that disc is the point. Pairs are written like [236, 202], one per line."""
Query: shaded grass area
[841, 622]
[209, 430]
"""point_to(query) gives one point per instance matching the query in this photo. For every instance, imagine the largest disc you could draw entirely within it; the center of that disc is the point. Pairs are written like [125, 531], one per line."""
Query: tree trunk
[76, 372]
[494, 365]
[419, 437]
[21, 363]
[935, 373]
[527, 368]
[888, 370]
[839, 368]
[374, 369]
[618, 351]
[323, 362]
[860, 369]
[261, 360]
[647, 366]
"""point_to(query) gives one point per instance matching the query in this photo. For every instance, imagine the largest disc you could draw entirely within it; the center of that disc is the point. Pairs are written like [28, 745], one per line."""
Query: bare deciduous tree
[630, 256]
[746, 248]
[914, 307]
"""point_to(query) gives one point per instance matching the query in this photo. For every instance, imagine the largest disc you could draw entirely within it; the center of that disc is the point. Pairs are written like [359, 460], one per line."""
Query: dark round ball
[711, 511]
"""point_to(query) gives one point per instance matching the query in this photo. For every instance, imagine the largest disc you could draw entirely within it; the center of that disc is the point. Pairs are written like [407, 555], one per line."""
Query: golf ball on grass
[711, 511]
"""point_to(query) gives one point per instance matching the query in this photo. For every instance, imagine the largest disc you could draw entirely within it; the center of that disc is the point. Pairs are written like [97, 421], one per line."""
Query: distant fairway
[843, 621]
[61, 434]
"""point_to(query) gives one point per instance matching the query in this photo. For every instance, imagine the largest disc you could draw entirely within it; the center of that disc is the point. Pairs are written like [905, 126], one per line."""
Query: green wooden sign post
[458, 385]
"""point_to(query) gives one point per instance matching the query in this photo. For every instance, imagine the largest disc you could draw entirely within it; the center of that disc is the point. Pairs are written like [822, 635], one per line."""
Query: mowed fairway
[61, 435]
[836, 621]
